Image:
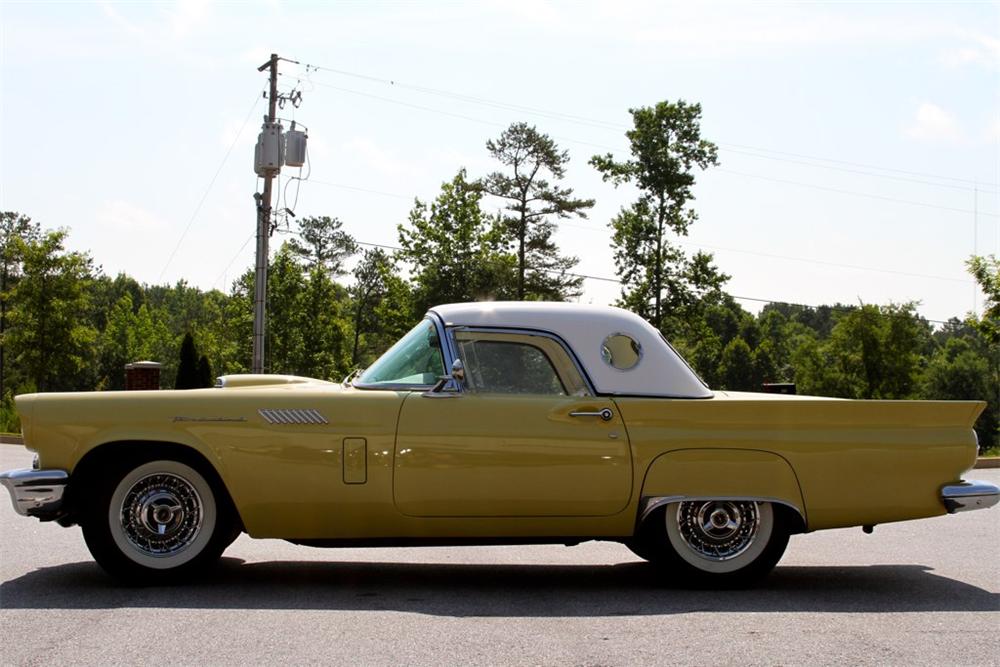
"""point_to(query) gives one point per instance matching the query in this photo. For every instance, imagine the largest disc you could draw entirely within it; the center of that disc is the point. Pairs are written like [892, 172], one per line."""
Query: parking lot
[923, 592]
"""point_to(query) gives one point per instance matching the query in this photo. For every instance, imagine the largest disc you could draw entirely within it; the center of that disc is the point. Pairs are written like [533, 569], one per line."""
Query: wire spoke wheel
[162, 514]
[720, 536]
[718, 530]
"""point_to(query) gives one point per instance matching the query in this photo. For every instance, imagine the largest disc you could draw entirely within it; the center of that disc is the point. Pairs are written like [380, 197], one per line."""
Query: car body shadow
[625, 589]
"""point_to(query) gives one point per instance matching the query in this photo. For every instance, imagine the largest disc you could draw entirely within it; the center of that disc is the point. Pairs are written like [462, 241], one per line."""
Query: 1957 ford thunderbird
[554, 423]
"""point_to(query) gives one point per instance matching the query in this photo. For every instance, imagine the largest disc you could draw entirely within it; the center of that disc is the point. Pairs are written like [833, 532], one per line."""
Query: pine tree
[187, 370]
[205, 378]
[530, 202]
[658, 279]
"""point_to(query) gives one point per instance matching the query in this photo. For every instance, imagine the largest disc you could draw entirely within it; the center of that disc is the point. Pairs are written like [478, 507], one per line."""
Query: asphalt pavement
[916, 593]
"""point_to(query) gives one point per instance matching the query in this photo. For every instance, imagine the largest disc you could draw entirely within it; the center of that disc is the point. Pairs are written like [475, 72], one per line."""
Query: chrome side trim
[290, 416]
[649, 504]
[969, 495]
[35, 492]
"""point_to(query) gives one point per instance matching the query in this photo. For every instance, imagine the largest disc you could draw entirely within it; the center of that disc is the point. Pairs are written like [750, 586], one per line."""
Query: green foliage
[457, 252]
[736, 368]
[323, 244]
[10, 422]
[46, 337]
[380, 304]
[15, 229]
[530, 202]
[205, 378]
[659, 282]
[986, 271]
[187, 369]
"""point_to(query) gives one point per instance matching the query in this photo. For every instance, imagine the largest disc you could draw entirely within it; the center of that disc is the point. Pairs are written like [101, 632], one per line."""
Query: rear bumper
[37, 493]
[969, 495]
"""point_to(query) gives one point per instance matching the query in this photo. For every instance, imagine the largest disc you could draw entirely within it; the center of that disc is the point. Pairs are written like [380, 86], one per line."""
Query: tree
[49, 335]
[205, 378]
[286, 316]
[325, 328]
[117, 343]
[456, 251]
[986, 271]
[530, 203]
[187, 369]
[872, 352]
[658, 279]
[12, 226]
[324, 244]
[371, 286]
[736, 369]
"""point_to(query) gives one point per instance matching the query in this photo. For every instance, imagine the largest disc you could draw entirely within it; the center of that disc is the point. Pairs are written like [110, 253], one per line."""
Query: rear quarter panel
[855, 462]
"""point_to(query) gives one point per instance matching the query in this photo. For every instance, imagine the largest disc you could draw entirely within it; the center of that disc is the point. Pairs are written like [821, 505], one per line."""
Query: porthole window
[621, 351]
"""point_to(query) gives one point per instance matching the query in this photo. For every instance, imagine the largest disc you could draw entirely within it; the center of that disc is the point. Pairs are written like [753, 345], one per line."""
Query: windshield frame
[447, 356]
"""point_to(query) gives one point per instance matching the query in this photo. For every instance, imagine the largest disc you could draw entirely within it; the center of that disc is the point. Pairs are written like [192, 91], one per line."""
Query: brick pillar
[142, 375]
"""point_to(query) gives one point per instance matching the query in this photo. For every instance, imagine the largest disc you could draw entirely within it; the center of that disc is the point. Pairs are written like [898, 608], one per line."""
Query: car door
[525, 436]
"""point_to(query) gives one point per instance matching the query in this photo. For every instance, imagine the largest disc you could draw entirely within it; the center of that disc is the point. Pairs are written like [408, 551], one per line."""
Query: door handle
[604, 413]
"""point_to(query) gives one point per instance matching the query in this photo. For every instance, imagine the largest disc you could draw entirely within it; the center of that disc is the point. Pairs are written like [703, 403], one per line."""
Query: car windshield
[414, 360]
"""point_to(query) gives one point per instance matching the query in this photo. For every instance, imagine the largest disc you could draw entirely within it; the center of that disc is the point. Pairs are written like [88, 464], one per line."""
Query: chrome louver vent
[288, 416]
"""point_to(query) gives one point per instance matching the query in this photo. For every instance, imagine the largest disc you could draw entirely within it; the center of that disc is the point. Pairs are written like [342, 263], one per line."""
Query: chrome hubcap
[718, 529]
[161, 514]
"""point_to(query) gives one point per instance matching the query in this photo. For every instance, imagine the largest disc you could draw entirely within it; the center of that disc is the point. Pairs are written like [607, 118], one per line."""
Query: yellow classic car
[553, 423]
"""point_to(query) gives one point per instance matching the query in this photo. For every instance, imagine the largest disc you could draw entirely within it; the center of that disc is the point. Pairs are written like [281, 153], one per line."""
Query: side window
[509, 363]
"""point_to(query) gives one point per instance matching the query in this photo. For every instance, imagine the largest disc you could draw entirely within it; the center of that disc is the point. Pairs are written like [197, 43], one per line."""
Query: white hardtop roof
[660, 372]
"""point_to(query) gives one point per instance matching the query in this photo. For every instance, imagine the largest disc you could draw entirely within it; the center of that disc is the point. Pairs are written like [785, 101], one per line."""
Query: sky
[859, 142]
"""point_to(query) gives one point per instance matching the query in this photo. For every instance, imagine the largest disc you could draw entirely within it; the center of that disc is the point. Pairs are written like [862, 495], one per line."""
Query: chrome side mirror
[455, 380]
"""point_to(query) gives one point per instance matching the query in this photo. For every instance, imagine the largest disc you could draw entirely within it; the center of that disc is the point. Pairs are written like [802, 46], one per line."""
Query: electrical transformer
[270, 149]
[295, 147]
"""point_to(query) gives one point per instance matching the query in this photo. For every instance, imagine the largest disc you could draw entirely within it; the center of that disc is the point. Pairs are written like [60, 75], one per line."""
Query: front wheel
[155, 521]
[714, 542]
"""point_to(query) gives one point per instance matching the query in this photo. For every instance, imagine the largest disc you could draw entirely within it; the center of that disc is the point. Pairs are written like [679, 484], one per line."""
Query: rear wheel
[714, 542]
[156, 521]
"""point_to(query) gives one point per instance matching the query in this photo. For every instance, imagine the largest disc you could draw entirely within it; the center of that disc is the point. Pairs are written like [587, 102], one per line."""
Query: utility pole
[264, 229]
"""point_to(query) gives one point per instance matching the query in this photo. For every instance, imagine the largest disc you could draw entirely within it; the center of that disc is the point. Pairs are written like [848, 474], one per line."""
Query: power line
[606, 147]
[211, 183]
[353, 188]
[235, 257]
[853, 192]
[473, 99]
[607, 125]
[906, 179]
[970, 181]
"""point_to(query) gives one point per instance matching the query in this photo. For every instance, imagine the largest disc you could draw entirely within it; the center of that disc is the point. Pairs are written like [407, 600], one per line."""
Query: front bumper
[37, 493]
[969, 495]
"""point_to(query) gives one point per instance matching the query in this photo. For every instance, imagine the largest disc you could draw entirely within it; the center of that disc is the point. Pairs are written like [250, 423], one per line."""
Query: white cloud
[984, 51]
[125, 217]
[933, 124]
